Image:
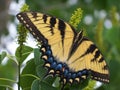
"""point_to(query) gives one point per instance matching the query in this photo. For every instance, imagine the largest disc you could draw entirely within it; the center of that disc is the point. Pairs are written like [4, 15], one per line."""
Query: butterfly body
[66, 53]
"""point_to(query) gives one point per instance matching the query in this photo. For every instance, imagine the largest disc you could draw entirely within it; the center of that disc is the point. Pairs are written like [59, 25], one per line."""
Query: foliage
[76, 17]
[107, 39]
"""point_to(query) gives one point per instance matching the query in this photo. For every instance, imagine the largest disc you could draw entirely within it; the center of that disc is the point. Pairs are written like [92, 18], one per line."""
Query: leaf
[41, 71]
[2, 88]
[56, 82]
[22, 53]
[2, 56]
[26, 81]
[37, 56]
[30, 67]
[40, 85]
[35, 85]
[46, 86]
[28, 75]
[6, 83]
[8, 74]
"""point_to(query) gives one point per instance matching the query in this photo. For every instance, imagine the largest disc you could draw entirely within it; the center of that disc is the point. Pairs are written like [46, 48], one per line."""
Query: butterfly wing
[67, 46]
[88, 57]
[57, 33]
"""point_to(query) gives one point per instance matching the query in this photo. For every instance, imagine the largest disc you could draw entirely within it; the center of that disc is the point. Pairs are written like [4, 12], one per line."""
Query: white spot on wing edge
[21, 18]
[27, 25]
[30, 29]
[19, 15]
[24, 21]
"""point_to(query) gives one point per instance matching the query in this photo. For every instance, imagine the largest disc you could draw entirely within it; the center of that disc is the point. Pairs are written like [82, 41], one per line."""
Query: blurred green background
[100, 21]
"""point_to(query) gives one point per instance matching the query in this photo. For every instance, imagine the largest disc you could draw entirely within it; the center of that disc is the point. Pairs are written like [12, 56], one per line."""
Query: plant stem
[19, 65]
[19, 76]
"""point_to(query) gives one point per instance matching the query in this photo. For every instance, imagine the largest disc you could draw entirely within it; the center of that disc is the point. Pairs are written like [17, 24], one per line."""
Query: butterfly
[67, 54]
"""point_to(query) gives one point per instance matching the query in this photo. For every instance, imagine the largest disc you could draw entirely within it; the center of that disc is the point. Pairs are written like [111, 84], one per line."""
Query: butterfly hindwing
[89, 58]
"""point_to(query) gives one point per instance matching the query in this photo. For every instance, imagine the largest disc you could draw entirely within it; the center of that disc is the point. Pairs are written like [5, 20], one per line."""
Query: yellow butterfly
[66, 53]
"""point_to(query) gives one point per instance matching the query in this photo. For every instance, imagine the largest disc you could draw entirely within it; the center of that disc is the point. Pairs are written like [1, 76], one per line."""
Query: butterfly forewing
[59, 34]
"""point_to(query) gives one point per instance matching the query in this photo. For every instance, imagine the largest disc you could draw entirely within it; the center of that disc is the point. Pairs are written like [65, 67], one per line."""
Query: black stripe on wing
[100, 77]
[44, 18]
[61, 27]
[77, 41]
[91, 49]
[25, 20]
[52, 24]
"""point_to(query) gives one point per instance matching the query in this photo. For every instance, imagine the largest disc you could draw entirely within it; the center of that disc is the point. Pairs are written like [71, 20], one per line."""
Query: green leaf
[26, 81]
[41, 71]
[90, 85]
[51, 80]
[37, 56]
[56, 82]
[46, 86]
[29, 68]
[35, 85]
[40, 85]
[8, 74]
[2, 88]
[22, 53]
[6, 83]
[8, 70]
[2, 56]
[28, 75]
